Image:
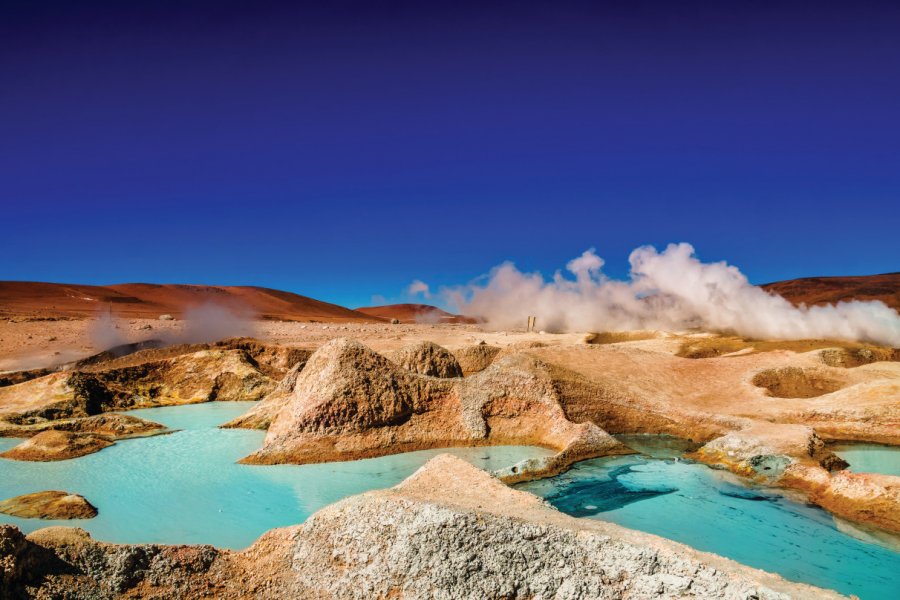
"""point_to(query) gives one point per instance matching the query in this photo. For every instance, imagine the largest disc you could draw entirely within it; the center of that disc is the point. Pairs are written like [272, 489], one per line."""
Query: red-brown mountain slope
[830, 290]
[145, 300]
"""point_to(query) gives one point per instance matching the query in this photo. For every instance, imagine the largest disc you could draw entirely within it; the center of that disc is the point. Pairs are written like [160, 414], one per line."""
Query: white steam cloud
[419, 287]
[211, 323]
[669, 290]
[104, 332]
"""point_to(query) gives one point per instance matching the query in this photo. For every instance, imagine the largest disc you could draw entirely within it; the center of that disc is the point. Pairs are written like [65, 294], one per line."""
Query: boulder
[57, 445]
[49, 505]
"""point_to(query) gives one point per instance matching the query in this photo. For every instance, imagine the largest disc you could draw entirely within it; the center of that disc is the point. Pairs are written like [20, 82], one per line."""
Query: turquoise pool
[709, 510]
[185, 487]
[870, 458]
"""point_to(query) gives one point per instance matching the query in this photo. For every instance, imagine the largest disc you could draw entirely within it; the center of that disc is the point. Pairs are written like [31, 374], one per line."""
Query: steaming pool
[710, 510]
[185, 488]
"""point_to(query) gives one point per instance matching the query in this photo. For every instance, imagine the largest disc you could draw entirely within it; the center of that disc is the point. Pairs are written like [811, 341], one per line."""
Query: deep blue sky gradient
[341, 149]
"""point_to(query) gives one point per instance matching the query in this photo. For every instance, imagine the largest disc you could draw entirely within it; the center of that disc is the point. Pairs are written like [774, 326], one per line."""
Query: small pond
[711, 510]
[869, 458]
[186, 488]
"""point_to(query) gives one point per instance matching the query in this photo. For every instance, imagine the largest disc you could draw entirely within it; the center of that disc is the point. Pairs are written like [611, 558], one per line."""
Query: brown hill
[414, 313]
[831, 290]
[146, 300]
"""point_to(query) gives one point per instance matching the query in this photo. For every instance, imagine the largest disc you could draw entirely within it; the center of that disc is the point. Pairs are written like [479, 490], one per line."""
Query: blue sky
[343, 151]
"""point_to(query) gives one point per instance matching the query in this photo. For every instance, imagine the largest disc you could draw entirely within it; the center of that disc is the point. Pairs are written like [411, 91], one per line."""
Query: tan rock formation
[870, 498]
[350, 402]
[427, 358]
[196, 377]
[449, 531]
[57, 445]
[111, 425]
[261, 415]
[49, 505]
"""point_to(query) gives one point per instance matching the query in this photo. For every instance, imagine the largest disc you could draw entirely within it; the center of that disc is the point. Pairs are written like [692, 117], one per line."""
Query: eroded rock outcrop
[111, 425]
[49, 505]
[63, 562]
[870, 498]
[427, 358]
[794, 457]
[350, 402]
[449, 531]
[261, 415]
[764, 450]
[200, 376]
[57, 445]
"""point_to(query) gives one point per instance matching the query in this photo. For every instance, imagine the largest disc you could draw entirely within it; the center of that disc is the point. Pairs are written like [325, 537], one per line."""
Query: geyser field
[679, 434]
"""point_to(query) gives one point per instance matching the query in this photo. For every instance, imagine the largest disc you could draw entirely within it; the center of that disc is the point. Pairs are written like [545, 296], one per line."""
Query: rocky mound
[272, 360]
[110, 425]
[427, 358]
[350, 402]
[57, 445]
[473, 359]
[49, 505]
[63, 562]
[449, 531]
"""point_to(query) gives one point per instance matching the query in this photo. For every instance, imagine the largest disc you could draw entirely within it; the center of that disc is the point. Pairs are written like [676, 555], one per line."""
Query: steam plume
[419, 287]
[211, 322]
[670, 290]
